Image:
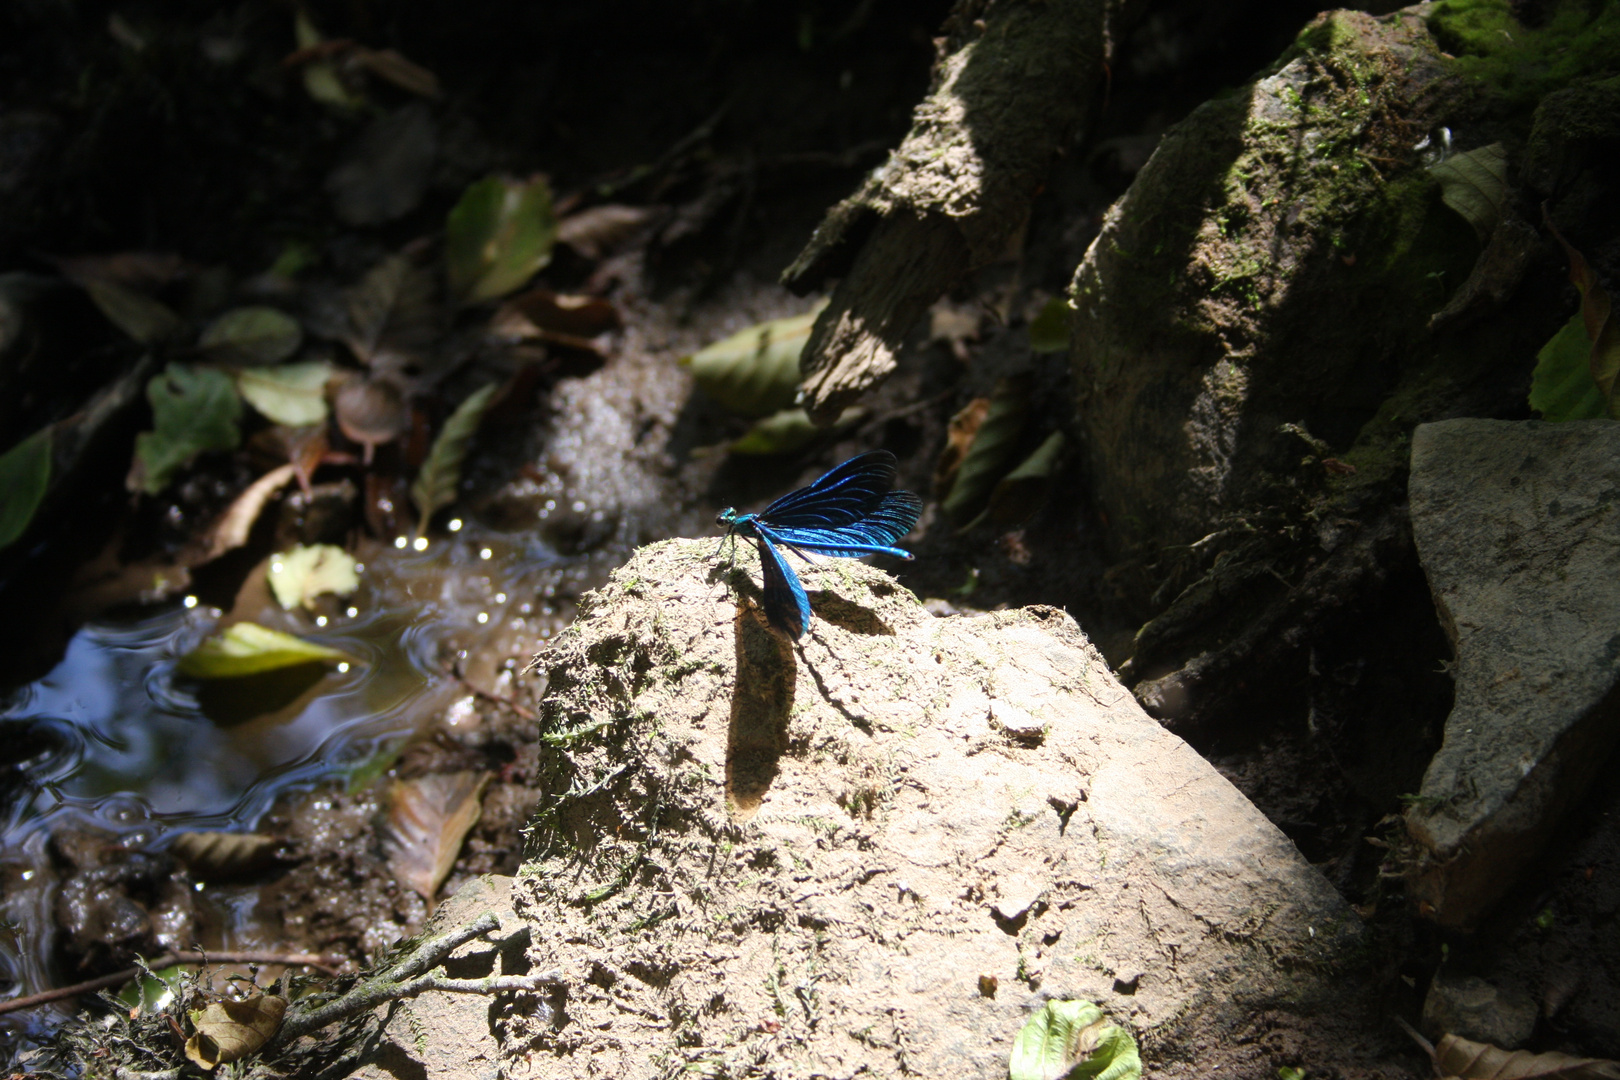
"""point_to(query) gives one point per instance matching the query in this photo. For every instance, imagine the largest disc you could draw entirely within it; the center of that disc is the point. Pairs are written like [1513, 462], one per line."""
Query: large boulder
[876, 850]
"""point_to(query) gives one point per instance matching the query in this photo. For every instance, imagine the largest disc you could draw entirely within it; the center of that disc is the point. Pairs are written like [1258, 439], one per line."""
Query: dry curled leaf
[539, 312]
[594, 231]
[390, 66]
[428, 819]
[1465, 1060]
[958, 437]
[228, 1031]
[230, 530]
[992, 452]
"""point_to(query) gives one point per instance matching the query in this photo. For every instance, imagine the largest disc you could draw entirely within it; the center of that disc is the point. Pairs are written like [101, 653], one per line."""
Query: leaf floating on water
[307, 571]
[1023, 491]
[440, 475]
[371, 412]
[223, 855]
[293, 394]
[1475, 185]
[193, 410]
[497, 237]
[1454, 1057]
[231, 530]
[992, 452]
[246, 648]
[428, 819]
[755, 372]
[392, 314]
[1049, 331]
[25, 473]
[1067, 1034]
[252, 335]
[228, 1031]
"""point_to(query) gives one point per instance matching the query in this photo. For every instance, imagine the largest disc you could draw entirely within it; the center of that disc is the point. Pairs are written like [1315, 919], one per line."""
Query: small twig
[324, 964]
[408, 978]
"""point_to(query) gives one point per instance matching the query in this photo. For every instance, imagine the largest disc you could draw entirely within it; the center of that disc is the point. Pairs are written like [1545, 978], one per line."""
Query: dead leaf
[595, 231]
[958, 437]
[228, 1031]
[1475, 185]
[992, 452]
[371, 412]
[386, 174]
[222, 856]
[428, 819]
[230, 530]
[1454, 1057]
[535, 313]
[390, 66]
[1602, 331]
[392, 315]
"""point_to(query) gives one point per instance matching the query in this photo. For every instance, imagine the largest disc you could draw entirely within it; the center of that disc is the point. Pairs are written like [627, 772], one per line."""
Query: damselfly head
[726, 517]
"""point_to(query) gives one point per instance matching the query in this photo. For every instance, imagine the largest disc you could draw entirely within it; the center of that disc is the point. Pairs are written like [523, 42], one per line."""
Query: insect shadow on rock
[853, 510]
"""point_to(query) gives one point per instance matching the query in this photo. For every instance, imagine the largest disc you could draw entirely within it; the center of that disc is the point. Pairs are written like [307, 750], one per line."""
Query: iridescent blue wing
[843, 495]
[786, 606]
[875, 534]
[851, 511]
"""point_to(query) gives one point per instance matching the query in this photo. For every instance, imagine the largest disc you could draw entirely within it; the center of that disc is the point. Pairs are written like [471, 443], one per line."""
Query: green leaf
[136, 314]
[1049, 331]
[436, 482]
[1023, 491]
[755, 372]
[497, 237]
[246, 648]
[1561, 388]
[1475, 185]
[1290, 1072]
[252, 335]
[193, 410]
[321, 79]
[25, 472]
[787, 431]
[1071, 1040]
[307, 571]
[293, 394]
[992, 452]
[1601, 329]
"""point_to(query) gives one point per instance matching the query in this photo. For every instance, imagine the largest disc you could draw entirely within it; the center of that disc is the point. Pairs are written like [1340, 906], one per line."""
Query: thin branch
[326, 965]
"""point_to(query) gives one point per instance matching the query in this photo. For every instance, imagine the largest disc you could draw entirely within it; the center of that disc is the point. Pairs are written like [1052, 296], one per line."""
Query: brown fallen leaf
[964, 426]
[392, 314]
[228, 1031]
[390, 66]
[428, 818]
[1465, 1060]
[230, 530]
[371, 412]
[539, 311]
[593, 232]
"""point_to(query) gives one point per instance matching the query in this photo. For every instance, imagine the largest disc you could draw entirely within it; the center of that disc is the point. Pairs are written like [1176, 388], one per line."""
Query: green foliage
[497, 237]
[144, 319]
[194, 410]
[1475, 185]
[1070, 1040]
[1049, 331]
[1519, 63]
[435, 484]
[293, 394]
[246, 648]
[1561, 387]
[992, 452]
[755, 372]
[787, 431]
[25, 473]
[1023, 491]
[251, 335]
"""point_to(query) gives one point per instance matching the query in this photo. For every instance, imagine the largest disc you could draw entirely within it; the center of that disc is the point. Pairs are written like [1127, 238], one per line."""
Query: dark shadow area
[760, 704]
[848, 615]
[236, 701]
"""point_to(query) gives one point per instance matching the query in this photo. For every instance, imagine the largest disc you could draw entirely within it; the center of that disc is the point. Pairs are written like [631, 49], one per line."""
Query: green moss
[1520, 64]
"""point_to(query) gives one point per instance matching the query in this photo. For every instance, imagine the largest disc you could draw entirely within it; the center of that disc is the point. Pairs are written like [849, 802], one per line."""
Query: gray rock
[1518, 529]
[1470, 1007]
[439, 1036]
